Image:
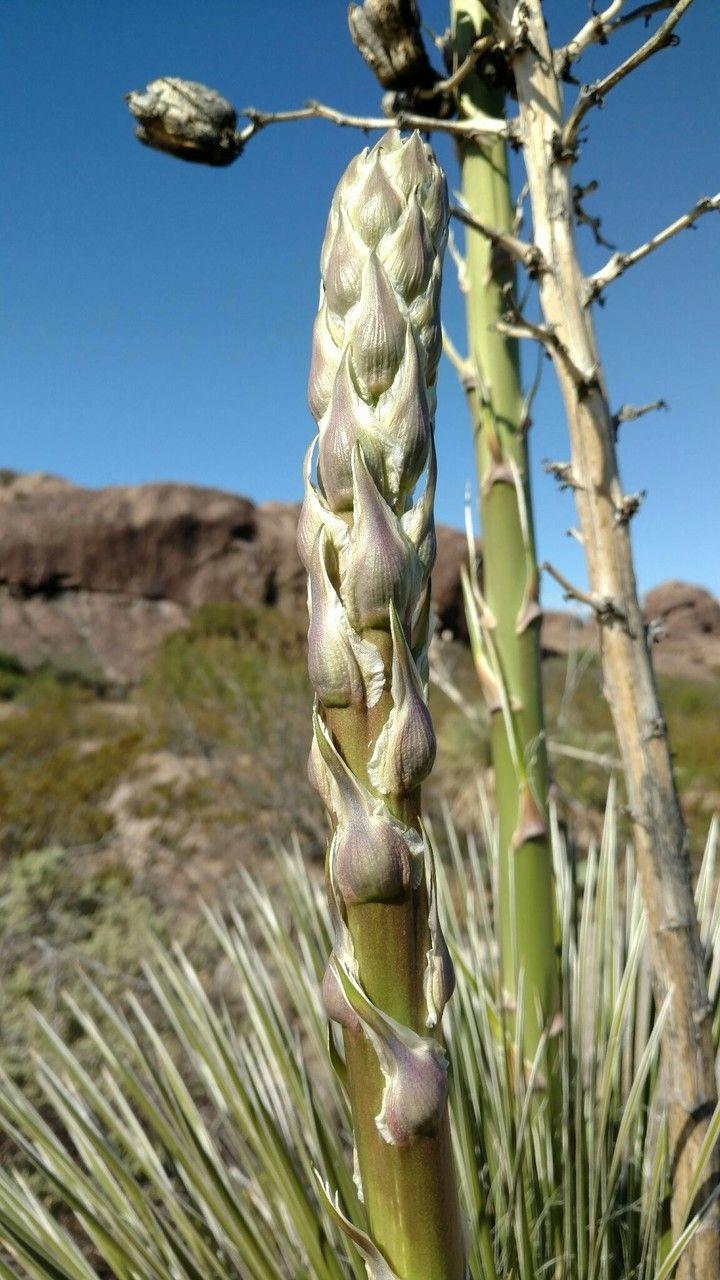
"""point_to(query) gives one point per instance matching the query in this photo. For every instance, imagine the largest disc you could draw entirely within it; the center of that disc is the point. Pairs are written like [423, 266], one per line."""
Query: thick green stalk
[369, 548]
[510, 576]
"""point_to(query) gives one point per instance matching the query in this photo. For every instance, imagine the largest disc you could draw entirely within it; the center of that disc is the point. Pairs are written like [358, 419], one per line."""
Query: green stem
[411, 1195]
[510, 576]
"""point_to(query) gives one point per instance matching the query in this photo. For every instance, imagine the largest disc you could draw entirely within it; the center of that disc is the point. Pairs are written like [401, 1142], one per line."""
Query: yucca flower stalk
[504, 623]
[369, 547]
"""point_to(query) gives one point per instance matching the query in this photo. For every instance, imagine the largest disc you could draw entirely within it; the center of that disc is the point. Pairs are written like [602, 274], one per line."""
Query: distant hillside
[96, 578]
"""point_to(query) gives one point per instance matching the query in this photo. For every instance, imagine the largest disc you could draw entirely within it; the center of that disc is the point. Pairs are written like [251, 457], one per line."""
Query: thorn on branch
[559, 152]
[655, 630]
[631, 413]
[563, 473]
[629, 506]
[583, 218]
[655, 728]
[605, 608]
[528, 255]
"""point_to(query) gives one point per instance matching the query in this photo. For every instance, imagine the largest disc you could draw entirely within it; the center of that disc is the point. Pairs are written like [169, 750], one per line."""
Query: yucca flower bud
[369, 551]
[187, 120]
[380, 266]
[369, 545]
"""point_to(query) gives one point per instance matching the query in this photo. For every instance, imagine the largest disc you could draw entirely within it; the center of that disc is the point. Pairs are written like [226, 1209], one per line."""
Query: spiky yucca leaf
[191, 1152]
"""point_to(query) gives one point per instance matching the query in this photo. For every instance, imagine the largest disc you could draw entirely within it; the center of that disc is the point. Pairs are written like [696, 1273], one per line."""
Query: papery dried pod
[187, 120]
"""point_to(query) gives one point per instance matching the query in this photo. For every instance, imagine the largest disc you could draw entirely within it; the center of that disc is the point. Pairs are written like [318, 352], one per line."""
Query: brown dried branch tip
[186, 120]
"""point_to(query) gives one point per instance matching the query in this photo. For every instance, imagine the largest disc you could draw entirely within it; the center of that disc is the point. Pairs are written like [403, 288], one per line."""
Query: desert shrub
[193, 1151]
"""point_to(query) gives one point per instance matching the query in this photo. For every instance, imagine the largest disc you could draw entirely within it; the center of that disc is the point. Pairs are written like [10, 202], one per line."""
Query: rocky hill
[125, 800]
[97, 578]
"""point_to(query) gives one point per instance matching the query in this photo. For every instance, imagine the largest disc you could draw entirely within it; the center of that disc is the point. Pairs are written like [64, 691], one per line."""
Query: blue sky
[156, 316]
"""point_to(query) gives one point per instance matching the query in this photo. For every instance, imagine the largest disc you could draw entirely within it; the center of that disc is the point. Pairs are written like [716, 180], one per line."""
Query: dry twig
[528, 255]
[600, 26]
[593, 95]
[479, 128]
[619, 263]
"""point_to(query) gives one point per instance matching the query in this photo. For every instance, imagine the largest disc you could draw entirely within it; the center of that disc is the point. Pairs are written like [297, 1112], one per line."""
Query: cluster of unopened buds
[368, 544]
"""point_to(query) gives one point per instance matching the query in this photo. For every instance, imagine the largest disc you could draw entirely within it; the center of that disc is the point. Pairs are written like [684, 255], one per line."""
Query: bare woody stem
[510, 574]
[592, 95]
[619, 263]
[658, 829]
[369, 547]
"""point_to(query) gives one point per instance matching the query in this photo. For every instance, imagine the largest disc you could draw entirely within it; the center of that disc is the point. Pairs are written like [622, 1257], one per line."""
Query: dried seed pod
[187, 120]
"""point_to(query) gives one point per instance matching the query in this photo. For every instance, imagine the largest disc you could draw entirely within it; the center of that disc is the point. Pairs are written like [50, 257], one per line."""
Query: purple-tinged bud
[422, 627]
[413, 167]
[381, 565]
[377, 337]
[338, 437]
[376, 205]
[344, 669]
[186, 120]
[335, 1002]
[418, 522]
[405, 749]
[408, 254]
[344, 191]
[323, 365]
[414, 1069]
[318, 776]
[404, 427]
[375, 856]
[316, 515]
[342, 274]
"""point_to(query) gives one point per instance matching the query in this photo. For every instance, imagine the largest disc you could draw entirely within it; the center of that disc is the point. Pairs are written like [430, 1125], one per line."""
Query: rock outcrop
[96, 577]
